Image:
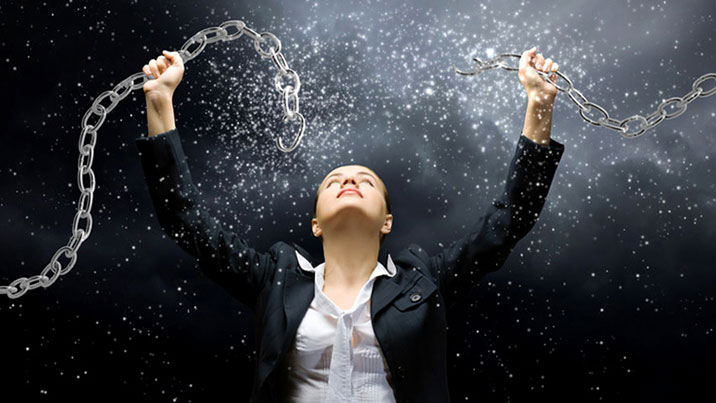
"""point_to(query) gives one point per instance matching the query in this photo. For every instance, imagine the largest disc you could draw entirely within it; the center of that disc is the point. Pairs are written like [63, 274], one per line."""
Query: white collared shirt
[360, 372]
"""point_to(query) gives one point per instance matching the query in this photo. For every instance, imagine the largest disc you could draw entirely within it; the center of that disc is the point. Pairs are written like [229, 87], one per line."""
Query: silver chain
[287, 91]
[585, 106]
[88, 138]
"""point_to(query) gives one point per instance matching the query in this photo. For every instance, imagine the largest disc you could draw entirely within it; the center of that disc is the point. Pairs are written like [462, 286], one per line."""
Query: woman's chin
[350, 211]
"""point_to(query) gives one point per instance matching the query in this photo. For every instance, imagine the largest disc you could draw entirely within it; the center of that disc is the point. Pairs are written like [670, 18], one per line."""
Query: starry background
[610, 297]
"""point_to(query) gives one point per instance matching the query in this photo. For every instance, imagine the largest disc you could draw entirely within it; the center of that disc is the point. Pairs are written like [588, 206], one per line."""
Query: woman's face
[351, 192]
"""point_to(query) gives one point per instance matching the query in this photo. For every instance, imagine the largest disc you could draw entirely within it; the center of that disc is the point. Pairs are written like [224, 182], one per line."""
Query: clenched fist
[167, 71]
[537, 88]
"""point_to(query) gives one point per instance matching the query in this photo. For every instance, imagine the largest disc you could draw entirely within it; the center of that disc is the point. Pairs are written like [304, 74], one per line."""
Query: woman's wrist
[540, 99]
[538, 120]
[160, 113]
[158, 98]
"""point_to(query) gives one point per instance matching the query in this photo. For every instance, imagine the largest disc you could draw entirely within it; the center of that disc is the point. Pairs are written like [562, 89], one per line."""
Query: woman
[349, 329]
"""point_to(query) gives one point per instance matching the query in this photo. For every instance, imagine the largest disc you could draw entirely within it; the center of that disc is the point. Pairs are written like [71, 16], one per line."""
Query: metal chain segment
[220, 33]
[95, 116]
[586, 107]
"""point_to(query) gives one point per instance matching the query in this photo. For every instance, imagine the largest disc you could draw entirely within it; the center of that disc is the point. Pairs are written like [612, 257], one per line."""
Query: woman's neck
[350, 260]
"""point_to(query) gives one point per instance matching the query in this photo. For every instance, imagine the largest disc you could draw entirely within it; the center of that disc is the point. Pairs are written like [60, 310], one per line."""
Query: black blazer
[407, 310]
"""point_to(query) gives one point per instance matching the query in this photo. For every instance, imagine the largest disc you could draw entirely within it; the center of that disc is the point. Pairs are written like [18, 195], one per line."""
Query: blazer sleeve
[490, 239]
[221, 254]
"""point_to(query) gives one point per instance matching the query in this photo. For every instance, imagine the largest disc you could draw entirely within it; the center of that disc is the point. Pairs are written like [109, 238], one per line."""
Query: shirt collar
[379, 269]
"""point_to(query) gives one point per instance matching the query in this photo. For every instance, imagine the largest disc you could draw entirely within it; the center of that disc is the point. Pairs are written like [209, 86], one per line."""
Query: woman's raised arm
[492, 237]
[221, 254]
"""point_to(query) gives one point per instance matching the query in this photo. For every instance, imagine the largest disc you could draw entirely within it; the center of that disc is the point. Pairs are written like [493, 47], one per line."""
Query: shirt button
[415, 297]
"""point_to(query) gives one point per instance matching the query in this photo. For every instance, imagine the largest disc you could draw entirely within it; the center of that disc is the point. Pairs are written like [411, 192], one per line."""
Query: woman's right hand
[167, 70]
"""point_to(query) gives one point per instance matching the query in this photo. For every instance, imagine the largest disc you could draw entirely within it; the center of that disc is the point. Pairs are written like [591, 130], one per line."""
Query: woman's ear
[387, 225]
[316, 228]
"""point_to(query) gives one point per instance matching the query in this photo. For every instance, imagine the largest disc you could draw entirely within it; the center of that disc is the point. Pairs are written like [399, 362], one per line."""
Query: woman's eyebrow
[361, 172]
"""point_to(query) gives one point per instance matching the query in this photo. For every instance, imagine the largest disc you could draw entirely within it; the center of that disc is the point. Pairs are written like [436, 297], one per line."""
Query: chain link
[585, 106]
[95, 116]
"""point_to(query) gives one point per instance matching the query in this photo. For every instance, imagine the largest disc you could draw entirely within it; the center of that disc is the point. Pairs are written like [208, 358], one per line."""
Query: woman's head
[367, 200]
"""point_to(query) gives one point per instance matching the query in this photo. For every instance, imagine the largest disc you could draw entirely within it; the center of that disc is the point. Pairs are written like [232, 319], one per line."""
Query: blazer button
[401, 371]
[415, 297]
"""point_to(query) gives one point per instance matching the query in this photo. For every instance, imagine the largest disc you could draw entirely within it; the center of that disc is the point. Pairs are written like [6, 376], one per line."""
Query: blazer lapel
[298, 293]
[385, 289]
[299, 290]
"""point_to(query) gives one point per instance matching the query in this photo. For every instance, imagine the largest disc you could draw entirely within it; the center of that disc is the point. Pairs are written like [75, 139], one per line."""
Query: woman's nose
[349, 179]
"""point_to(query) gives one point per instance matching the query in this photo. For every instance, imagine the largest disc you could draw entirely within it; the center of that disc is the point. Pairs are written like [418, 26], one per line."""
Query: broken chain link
[88, 139]
[585, 106]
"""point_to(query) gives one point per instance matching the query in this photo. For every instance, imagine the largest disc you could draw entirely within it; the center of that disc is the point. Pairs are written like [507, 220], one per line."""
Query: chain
[82, 222]
[288, 90]
[585, 106]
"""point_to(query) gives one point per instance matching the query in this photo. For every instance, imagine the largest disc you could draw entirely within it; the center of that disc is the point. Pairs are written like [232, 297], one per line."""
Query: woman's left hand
[537, 88]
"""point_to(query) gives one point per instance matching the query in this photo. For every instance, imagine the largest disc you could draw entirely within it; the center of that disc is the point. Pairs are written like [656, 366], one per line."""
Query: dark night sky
[612, 296]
